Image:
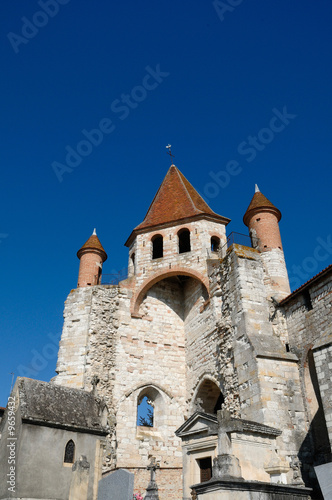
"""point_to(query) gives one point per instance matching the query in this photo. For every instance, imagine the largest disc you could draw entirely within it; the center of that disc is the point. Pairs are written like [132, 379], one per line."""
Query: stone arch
[207, 395]
[160, 275]
[215, 243]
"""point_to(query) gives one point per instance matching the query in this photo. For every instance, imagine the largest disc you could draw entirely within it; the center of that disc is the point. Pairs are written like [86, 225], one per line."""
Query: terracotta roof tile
[259, 201]
[176, 199]
[93, 243]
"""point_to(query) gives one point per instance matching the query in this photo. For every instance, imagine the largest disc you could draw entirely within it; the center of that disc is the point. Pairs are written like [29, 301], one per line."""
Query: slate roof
[93, 243]
[176, 200]
[57, 406]
[259, 202]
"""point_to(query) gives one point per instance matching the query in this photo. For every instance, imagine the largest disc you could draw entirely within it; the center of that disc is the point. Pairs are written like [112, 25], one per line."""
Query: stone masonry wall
[74, 340]
[269, 388]
[200, 238]
[307, 314]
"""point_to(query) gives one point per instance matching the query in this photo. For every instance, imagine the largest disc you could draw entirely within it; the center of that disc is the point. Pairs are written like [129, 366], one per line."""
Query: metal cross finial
[170, 152]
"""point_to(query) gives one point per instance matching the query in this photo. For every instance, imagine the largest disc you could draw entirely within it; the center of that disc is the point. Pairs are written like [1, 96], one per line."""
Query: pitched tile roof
[93, 243]
[176, 199]
[259, 202]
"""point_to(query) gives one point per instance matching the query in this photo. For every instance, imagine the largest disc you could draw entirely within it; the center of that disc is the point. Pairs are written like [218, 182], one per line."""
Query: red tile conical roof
[260, 202]
[176, 199]
[93, 243]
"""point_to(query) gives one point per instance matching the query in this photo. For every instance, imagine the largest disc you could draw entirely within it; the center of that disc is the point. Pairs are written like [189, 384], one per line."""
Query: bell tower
[177, 236]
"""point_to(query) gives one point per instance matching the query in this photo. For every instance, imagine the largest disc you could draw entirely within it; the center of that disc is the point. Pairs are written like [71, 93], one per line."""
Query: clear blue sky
[211, 83]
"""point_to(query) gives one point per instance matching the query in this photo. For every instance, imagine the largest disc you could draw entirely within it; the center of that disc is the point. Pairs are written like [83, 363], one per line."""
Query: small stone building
[50, 445]
[205, 333]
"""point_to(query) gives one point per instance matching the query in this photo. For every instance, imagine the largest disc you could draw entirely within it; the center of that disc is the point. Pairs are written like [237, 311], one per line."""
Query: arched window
[184, 240]
[215, 244]
[69, 452]
[145, 412]
[150, 408]
[157, 247]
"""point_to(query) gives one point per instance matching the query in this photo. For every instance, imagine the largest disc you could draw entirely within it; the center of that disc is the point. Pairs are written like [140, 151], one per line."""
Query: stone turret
[262, 218]
[91, 255]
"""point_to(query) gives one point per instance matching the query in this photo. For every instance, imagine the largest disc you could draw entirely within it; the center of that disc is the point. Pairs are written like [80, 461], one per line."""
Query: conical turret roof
[93, 243]
[259, 203]
[176, 200]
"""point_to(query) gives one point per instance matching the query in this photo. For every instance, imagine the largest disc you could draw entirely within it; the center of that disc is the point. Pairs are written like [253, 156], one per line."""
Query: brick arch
[160, 275]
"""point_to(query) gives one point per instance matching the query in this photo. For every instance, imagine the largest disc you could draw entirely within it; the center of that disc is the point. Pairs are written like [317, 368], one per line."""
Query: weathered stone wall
[74, 340]
[310, 337]
[269, 389]
[201, 341]
[308, 322]
[275, 273]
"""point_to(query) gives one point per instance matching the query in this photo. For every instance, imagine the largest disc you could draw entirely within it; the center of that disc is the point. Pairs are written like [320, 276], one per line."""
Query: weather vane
[170, 152]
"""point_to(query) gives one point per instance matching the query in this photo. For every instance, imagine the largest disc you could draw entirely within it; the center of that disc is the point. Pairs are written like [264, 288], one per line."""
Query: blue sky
[242, 92]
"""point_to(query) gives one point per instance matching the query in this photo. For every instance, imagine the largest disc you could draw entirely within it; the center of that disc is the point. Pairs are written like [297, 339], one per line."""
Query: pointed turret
[262, 219]
[91, 255]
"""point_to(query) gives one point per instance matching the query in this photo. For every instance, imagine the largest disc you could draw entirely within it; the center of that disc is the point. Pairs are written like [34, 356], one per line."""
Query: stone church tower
[195, 327]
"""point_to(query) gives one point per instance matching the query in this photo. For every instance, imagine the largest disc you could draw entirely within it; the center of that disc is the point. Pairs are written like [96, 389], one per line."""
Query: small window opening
[145, 412]
[287, 348]
[69, 452]
[307, 300]
[215, 244]
[157, 247]
[133, 261]
[184, 240]
[205, 466]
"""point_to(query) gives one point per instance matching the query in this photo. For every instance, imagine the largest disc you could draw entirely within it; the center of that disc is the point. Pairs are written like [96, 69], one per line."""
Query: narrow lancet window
[157, 247]
[69, 452]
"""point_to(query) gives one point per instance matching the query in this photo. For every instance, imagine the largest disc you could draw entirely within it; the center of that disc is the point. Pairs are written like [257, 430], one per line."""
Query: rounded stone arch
[208, 395]
[160, 275]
